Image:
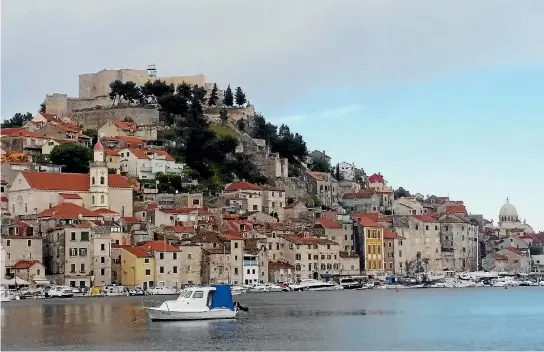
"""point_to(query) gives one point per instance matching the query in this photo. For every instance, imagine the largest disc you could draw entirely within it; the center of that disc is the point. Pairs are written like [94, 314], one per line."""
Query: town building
[118, 128]
[145, 163]
[322, 186]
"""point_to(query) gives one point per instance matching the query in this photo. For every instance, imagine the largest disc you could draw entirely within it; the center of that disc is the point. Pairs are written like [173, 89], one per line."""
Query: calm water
[441, 319]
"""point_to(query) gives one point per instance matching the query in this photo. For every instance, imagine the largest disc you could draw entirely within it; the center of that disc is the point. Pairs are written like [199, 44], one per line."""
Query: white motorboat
[6, 295]
[114, 290]
[350, 283]
[259, 288]
[237, 290]
[197, 303]
[316, 285]
[161, 290]
[505, 281]
[60, 292]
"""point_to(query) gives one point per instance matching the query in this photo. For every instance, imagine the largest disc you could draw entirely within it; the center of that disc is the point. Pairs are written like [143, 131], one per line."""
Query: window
[309, 257]
[389, 244]
[102, 272]
[175, 269]
[102, 180]
[102, 199]
[255, 207]
[253, 271]
[73, 252]
[85, 236]
[174, 255]
[189, 256]
[94, 180]
[94, 201]
[146, 261]
[298, 256]
[26, 208]
[29, 243]
[102, 246]
[248, 271]
[8, 243]
[73, 269]
[82, 268]
[235, 244]
[161, 269]
[400, 254]
[417, 227]
[427, 227]
[147, 272]
[38, 272]
[198, 294]
[161, 256]
[316, 257]
[322, 256]
[436, 227]
[83, 252]
[297, 267]
[328, 246]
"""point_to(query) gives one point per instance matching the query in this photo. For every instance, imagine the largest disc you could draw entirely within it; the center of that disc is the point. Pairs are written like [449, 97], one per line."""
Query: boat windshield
[187, 294]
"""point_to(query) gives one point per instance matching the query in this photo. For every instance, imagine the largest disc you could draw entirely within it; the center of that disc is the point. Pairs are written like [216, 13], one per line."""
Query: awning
[15, 281]
[326, 276]
[42, 282]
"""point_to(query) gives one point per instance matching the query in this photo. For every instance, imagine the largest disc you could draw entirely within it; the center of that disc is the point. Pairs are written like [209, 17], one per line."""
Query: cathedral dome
[508, 212]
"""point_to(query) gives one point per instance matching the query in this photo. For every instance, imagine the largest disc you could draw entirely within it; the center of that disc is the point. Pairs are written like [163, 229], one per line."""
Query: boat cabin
[218, 296]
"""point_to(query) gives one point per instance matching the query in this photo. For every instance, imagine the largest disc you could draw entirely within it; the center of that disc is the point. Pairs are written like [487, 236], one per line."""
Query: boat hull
[156, 314]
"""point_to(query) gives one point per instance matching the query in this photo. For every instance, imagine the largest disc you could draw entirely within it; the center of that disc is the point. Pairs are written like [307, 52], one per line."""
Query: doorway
[315, 275]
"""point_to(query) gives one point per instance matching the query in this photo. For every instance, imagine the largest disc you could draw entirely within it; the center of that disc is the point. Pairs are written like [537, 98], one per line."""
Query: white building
[250, 271]
[145, 163]
[34, 192]
[347, 170]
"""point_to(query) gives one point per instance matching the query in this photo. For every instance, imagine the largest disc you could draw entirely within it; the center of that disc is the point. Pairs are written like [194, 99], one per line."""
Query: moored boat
[316, 285]
[197, 303]
[60, 292]
[161, 290]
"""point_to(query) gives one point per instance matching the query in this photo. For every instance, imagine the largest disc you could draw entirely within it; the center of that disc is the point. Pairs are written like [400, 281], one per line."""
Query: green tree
[91, 132]
[42, 107]
[241, 125]
[17, 120]
[401, 192]
[224, 115]
[320, 165]
[214, 98]
[116, 91]
[240, 97]
[228, 98]
[73, 156]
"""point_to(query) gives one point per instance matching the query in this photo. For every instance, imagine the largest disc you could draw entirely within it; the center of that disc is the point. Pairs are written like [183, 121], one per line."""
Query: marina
[447, 319]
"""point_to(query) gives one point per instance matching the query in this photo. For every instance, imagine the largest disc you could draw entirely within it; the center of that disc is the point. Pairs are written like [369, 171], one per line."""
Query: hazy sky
[442, 97]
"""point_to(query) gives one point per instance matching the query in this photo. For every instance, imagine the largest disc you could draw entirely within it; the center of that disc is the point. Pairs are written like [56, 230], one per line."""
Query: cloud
[337, 112]
[275, 49]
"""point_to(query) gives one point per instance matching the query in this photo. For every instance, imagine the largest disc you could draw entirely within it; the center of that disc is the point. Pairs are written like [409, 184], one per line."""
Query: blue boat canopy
[222, 297]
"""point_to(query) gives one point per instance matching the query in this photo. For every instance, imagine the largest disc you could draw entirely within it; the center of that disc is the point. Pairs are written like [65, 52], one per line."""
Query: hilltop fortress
[93, 107]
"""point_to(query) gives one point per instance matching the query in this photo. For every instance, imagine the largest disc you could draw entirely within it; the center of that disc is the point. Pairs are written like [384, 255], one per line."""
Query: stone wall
[294, 188]
[96, 118]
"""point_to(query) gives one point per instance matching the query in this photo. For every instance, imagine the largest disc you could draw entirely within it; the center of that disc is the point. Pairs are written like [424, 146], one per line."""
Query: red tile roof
[112, 152]
[141, 153]
[359, 195]
[20, 132]
[389, 235]
[67, 211]
[67, 127]
[425, 218]
[131, 220]
[105, 211]
[366, 222]
[49, 117]
[3, 182]
[25, 264]
[137, 251]
[329, 224]
[126, 126]
[54, 181]
[456, 208]
[514, 250]
[371, 216]
[70, 196]
[376, 178]
[4, 199]
[133, 141]
[159, 246]
[242, 186]
[319, 176]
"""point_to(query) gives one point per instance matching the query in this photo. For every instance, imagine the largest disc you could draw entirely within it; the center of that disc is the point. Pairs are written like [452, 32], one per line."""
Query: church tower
[98, 179]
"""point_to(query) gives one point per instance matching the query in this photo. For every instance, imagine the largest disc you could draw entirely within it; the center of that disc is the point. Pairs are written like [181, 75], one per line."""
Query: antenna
[151, 70]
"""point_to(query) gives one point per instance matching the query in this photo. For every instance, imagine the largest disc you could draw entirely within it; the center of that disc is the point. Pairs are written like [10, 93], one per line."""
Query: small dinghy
[198, 303]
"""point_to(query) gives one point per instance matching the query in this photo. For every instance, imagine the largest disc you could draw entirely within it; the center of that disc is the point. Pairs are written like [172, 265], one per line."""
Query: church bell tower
[98, 178]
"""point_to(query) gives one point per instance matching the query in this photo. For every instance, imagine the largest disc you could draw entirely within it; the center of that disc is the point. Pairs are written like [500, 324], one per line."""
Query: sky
[441, 97]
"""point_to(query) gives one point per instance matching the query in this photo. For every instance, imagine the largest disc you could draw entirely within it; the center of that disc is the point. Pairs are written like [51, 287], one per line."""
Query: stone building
[322, 186]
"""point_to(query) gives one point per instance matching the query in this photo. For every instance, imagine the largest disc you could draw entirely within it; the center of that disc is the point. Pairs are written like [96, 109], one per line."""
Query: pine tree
[240, 96]
[228, 98]
[212, 100]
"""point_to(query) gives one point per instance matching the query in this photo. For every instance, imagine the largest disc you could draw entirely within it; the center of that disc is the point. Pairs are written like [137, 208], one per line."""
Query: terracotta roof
[389, 235]
[67, 211]
[67, 127]
[55, 181]
[514, 250]
[231, 236]
[4, 199]
[126, 126]
[111, 152]
[70, 195]
[3, 182]
[20, 132]
[242, 186]
[366, 222]
[141, 153]
[344, 254]
[159, 246]
[280, 265]
[361, 194]
[371, 216]
[130, 140]
[49, 117]
[376, 178]
[137, 251]
[425, 218]
[498, 256]
[207, 237]
[456, 208]
[25, 264]
[131, 220]
[319, 176]
[329, 224]
[181, 229]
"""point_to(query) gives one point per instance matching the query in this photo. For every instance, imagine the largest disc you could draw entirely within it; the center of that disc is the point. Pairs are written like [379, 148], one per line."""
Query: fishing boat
[197, 303]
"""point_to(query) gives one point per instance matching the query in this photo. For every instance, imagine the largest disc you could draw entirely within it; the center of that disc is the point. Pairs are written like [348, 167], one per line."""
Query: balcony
[250, 262]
